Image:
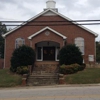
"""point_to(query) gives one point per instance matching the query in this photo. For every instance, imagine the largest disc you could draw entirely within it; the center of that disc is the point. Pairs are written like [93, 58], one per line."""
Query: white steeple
[50, 4]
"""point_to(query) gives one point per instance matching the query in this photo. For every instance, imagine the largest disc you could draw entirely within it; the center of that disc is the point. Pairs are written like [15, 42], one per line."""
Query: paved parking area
[51, 93]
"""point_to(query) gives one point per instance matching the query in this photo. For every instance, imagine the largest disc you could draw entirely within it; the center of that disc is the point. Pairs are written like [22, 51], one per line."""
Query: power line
[54, 24]
[49, 21]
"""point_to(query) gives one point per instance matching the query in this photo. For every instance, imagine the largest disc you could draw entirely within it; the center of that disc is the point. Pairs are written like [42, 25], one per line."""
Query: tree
[22, 56]
[70, 54]
[98, 52]
[3, 30]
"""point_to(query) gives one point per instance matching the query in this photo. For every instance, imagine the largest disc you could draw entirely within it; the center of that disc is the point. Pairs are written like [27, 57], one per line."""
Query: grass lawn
[7, 79]
[88, 76]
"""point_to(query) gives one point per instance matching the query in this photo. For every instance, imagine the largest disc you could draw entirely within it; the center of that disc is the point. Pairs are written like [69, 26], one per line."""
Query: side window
[79, 42]
[19, 42]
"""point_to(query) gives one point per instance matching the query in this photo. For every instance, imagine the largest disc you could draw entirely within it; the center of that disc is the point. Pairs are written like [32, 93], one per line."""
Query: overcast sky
[74, 9]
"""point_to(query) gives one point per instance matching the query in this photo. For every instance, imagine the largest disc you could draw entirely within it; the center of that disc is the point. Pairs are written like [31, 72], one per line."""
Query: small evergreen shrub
[22, 70]
[76, 67]
[62, 69]
[70, 54]
[22, 56]
[82, 67]
[69, 69]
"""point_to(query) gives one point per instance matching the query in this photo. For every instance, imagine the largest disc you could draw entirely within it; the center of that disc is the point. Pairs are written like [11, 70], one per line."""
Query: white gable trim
[25, 23]
[55, 13]
[49, 13]
[59, 34]
[96, 35]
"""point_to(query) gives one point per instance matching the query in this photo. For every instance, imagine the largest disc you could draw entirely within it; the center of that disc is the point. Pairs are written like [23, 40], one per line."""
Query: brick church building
[46, 33]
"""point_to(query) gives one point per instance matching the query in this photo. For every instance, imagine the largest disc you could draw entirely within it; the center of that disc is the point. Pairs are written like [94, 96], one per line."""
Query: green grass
[8, 79]
[88, 76]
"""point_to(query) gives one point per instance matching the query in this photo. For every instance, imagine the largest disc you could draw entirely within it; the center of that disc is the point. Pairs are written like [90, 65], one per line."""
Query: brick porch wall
[47, 66]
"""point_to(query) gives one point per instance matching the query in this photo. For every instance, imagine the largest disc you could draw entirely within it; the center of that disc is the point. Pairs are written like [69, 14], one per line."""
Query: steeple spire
[50, 4]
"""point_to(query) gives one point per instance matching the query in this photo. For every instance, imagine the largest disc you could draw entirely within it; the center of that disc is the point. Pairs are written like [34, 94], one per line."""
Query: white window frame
[81, 40]
[41, 54]
[23, 42]
[56, 53]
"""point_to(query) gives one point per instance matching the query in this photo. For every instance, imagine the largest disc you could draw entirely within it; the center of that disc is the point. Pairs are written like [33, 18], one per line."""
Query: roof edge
[17, 27]
[95, 34]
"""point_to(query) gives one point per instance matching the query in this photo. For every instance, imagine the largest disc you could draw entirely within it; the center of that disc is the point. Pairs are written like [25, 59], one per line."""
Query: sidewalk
[51, 86]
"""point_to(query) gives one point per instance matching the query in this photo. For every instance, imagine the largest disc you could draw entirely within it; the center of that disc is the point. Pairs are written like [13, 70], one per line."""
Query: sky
[23, 10]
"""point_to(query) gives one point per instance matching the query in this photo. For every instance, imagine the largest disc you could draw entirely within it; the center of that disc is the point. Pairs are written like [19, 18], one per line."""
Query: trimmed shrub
[22, 70]
[76, 67]
[70, 54]
[62, 69]
[82, 67]
[22, 56]
[69, 69]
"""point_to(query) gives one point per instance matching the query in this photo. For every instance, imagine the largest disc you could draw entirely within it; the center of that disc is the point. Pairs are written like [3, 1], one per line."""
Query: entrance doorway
[48, 53]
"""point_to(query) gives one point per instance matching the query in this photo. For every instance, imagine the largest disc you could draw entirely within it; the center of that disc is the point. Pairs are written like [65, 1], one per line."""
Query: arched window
[19, 42]
[79, 42]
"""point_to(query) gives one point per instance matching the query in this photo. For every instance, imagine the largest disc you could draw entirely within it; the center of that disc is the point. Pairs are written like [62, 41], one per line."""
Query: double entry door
[48, 53]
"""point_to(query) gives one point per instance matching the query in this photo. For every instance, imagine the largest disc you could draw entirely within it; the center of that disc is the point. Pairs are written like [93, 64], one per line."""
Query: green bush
[76, 67]
[69, 69]
[82, 67]
[22, 56]
[62, 69]
[70, 54]
[22, 70]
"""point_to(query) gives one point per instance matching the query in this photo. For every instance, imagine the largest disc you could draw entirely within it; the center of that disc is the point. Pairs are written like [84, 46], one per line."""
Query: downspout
[4, 53]
[95, 50]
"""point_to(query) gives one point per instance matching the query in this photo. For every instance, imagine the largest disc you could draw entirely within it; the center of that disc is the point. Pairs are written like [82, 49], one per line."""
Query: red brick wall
[51, 37]
[70, 31]
[1, 63]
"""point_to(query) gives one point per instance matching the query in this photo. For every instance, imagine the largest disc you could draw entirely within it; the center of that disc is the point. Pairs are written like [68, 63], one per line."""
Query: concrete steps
[41, 78]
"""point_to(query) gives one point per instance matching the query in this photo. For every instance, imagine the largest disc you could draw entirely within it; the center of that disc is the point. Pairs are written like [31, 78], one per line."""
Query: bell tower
[50, 4]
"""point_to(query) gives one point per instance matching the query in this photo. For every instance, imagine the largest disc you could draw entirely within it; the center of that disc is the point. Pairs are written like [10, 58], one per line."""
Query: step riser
[42, 82]
[32, 80]
[42, 78]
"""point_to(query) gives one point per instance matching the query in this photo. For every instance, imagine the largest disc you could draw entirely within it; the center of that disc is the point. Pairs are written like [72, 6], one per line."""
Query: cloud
[7, 1]
[20, 8]
[94, 3]
[74, 9]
